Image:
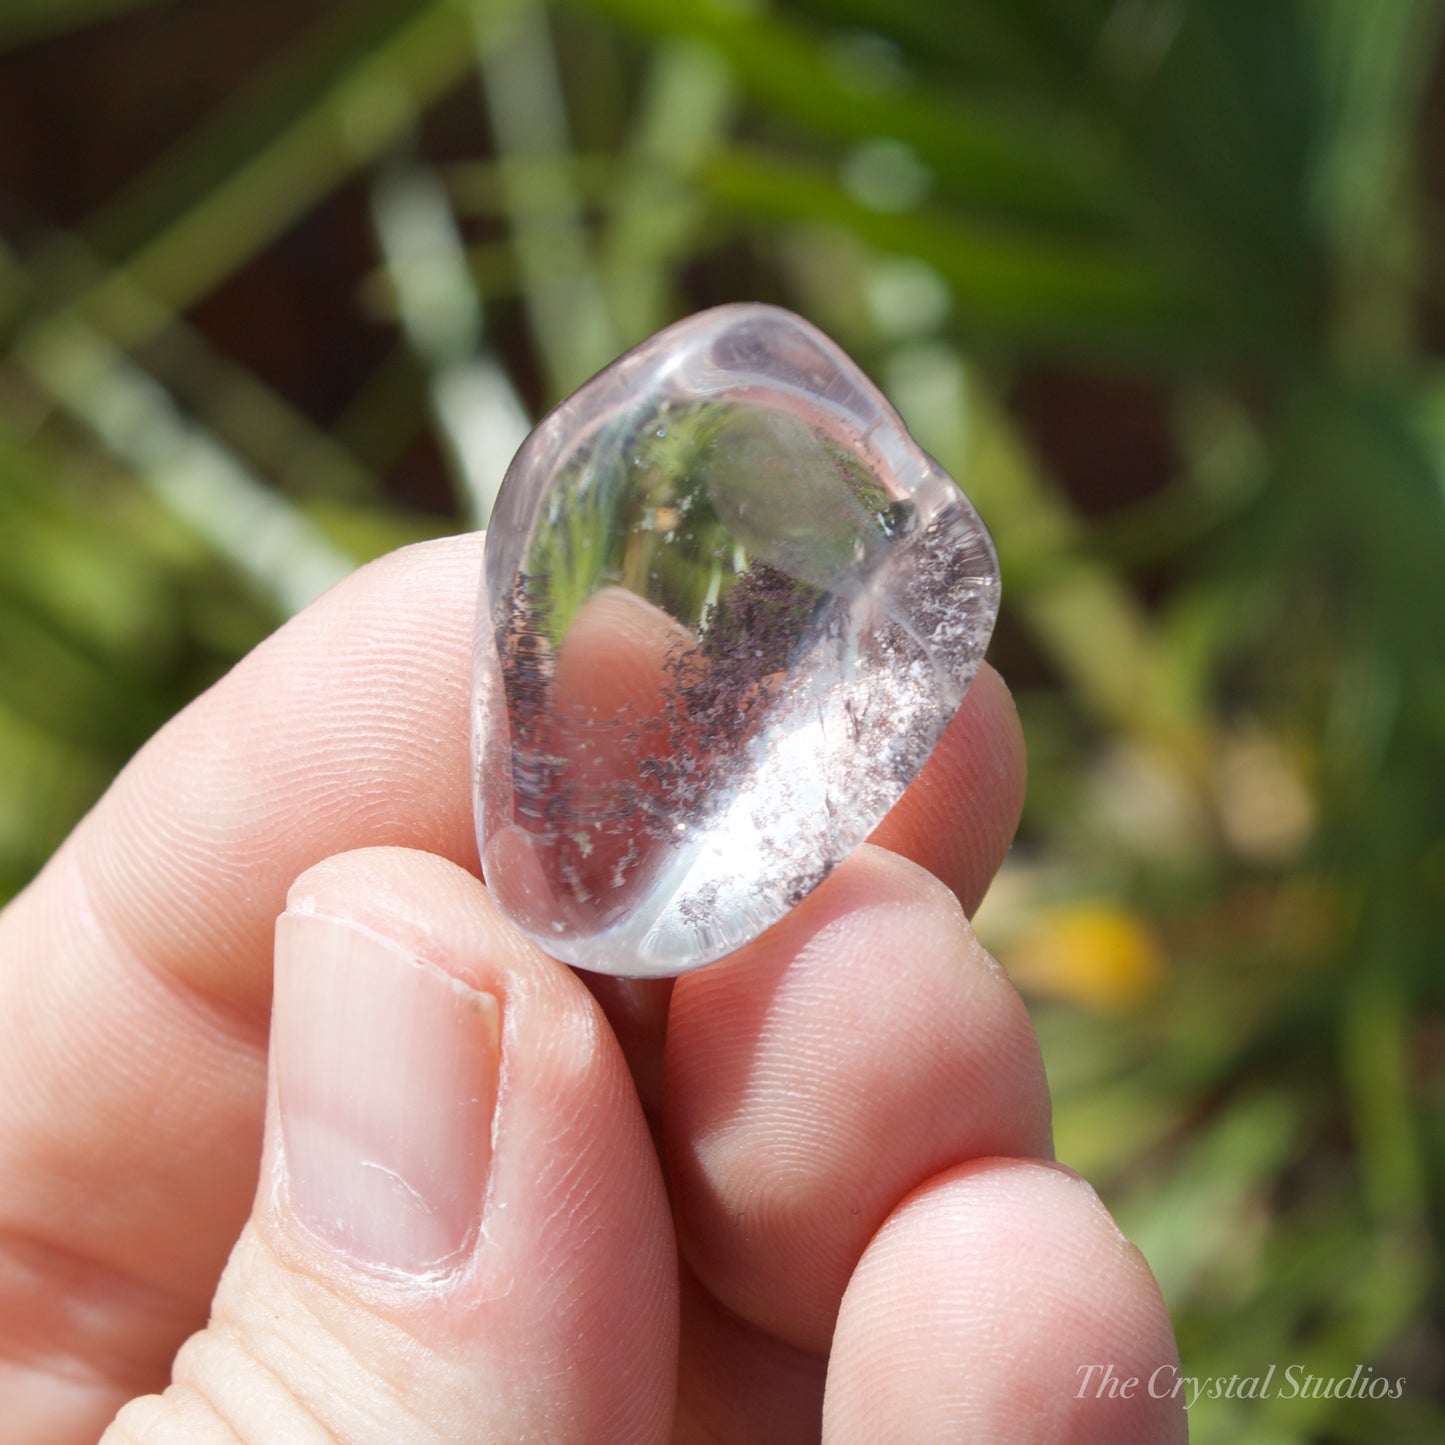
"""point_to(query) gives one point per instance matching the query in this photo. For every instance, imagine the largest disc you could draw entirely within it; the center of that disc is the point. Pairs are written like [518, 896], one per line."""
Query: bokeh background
[284, 282]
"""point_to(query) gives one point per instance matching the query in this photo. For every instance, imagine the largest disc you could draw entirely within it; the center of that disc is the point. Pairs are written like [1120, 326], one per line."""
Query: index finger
[135, 971]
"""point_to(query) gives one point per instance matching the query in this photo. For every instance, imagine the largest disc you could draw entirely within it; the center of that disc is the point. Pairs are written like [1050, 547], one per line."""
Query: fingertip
[871, 876]
[875, 874]
[397, 884]
[454, 1149]
[860, 1046]
[1000, 1301]
[379, 877]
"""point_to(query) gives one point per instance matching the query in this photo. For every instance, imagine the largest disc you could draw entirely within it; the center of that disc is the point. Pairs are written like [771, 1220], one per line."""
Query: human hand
[463, 1230]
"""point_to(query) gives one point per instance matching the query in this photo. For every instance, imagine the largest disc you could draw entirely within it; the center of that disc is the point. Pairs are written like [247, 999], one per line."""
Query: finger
[1000, 1302]
[135, 972]
[461, 1230]
[861, 1046]
[736, 1383]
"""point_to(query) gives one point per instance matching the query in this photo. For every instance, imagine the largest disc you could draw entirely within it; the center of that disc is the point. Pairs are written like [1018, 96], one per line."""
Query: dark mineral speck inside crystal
[729, 606]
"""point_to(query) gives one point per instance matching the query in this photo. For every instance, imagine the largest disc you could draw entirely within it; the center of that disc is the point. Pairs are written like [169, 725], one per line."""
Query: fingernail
[386, 1079]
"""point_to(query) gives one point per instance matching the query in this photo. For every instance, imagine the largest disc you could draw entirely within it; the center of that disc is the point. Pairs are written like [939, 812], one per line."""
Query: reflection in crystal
[729, 608]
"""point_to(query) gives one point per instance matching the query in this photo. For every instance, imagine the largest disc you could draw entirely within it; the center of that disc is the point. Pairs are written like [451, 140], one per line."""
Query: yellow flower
[1099, 954]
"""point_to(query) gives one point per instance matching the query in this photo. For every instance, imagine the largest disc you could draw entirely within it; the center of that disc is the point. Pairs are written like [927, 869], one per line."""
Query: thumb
[460, 1231]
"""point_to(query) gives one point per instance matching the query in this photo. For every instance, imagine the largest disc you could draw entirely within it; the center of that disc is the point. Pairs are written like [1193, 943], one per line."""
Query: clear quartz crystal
[728, 608]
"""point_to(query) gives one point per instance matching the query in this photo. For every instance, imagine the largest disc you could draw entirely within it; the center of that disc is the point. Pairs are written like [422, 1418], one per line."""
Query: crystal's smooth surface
[729, 606]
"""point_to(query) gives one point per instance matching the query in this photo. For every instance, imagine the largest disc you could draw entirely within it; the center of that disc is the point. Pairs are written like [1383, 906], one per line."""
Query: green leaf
[1019, 161]
[1013, 284]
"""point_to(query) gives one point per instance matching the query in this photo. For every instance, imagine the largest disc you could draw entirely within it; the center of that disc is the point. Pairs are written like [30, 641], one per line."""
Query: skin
[807, 1190]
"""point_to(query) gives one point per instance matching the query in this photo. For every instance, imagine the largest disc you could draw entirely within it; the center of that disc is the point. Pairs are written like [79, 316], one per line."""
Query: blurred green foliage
[1227, 900]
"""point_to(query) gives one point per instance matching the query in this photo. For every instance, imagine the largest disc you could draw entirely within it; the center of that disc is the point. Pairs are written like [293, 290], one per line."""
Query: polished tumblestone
[729, 606]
